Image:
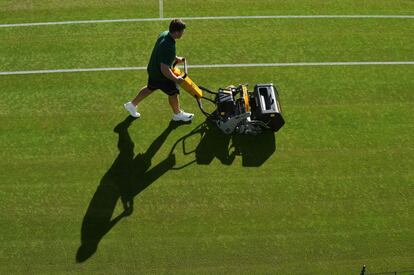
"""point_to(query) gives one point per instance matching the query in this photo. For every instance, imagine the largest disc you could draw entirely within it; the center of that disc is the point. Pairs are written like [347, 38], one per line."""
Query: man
[160, 75]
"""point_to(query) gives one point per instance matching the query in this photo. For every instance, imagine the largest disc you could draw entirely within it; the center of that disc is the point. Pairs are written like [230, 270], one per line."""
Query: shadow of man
[126, 178]
[129, 175]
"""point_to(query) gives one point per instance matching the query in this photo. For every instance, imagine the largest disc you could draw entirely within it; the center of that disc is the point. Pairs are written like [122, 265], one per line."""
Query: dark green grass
[335, 194]
[249, 41]
[25, 11]
[279, 7]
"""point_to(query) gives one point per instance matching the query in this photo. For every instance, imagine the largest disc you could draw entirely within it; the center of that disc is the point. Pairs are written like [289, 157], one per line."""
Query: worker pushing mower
[160, 75]
[237, 110]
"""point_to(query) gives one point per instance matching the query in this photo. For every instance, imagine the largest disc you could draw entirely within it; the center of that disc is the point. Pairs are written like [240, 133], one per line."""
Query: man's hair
[177, 25]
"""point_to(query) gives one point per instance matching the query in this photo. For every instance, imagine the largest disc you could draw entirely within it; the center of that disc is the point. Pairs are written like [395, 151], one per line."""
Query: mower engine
[243, 112]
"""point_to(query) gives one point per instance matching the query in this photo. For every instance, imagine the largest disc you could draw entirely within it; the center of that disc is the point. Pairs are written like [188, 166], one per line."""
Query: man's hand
[179, 80]
[168, 73]
[179, 59]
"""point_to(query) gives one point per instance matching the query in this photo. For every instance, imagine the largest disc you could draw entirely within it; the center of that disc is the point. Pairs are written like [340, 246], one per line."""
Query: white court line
[211, 18]
[161, 7]
[298, 64]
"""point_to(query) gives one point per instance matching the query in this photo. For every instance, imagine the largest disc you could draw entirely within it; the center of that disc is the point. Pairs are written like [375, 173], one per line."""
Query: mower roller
[237, 109]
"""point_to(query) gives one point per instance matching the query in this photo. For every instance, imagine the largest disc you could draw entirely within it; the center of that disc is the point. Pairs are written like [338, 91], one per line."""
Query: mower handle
[185, 67]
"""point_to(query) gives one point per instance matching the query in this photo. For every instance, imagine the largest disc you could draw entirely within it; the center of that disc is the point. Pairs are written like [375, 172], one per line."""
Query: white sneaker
[183, 116]
[131, 109]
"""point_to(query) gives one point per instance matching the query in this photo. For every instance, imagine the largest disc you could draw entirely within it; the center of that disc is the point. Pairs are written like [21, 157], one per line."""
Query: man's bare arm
[166, 71]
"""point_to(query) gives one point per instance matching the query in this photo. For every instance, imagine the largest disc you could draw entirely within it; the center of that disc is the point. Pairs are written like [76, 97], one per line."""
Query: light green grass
[276, 7]
[250, 41]
[25, 11]
[336, 193]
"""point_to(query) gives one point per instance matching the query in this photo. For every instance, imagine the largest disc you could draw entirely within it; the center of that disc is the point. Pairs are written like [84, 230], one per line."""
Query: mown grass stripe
[356, 16]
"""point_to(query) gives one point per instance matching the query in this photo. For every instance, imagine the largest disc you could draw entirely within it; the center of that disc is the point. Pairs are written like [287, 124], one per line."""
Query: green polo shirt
[163, 52]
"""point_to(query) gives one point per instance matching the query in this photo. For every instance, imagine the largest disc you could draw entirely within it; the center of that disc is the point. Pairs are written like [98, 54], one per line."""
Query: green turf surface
[295, 7]
[24, 11]
[335, 193]
[261, 41]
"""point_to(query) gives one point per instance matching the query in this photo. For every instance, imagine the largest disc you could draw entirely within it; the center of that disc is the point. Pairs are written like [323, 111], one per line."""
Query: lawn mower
[236, 109]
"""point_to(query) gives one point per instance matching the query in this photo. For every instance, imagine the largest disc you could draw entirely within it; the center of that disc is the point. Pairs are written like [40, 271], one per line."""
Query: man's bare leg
[131, 106]
[178, 114]
[174, 103]
[141, 95]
